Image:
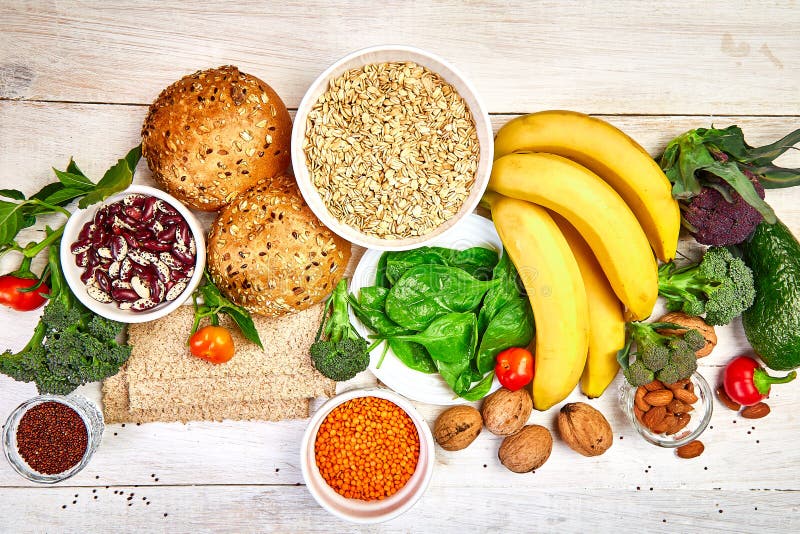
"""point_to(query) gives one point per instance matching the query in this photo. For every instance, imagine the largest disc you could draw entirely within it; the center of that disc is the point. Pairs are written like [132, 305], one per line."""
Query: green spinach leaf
[451, 338]
[512, 326]
[426, 292]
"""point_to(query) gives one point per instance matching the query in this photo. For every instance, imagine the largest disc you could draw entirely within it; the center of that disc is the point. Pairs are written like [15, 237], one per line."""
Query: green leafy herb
[214, 303]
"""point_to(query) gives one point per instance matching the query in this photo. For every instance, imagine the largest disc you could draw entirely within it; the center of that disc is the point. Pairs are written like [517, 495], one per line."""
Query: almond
[654, 416]
[756, 411]
[677, 407]
[639, 413]
[685, 396]
[659, 397]
[638, 399]
[681, 422]
[654, 385]
[726, 400]
[680, 384]
[690, 387]
[665, 424]
[693, 449]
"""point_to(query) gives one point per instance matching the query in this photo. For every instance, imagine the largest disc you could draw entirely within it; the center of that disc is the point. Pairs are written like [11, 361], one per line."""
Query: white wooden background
[76, 77]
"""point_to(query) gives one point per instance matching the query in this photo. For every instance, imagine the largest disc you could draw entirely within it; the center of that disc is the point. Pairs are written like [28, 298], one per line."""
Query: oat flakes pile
[392, 149]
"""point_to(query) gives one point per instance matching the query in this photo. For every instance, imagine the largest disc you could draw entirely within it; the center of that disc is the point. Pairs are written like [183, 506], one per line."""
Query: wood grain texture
[285, 509]
[75, 80]
[620, 56]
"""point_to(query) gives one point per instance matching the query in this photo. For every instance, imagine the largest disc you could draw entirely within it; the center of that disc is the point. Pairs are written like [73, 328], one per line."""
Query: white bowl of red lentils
[367, 455]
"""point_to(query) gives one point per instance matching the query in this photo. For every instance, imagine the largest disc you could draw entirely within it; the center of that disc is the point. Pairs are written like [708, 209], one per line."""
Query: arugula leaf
[74, 181]
[215, 303]
[116, 179]
[133, 157]
[13, 194]
[72, 168]
[64, 195]
[11, 221]
[48, 190]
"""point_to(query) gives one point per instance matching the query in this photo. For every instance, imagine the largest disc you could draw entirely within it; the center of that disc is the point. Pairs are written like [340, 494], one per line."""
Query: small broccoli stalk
[343, 353]
[720, 285]
[649, 355]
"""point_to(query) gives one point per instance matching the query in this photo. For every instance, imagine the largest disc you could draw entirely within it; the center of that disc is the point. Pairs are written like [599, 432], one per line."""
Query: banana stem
[489, 198]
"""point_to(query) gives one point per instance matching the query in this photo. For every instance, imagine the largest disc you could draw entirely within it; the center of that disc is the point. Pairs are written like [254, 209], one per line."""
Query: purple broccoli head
[715, 221]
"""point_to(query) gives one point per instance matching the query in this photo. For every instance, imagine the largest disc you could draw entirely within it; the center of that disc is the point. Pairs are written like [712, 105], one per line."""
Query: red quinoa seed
[52, 438]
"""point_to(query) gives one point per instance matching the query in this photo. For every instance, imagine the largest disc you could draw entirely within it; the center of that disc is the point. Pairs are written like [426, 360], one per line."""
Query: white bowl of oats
[391, 147]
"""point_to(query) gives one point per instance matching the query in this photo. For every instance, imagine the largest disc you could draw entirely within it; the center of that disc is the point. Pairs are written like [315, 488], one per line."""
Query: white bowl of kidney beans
[135, 257]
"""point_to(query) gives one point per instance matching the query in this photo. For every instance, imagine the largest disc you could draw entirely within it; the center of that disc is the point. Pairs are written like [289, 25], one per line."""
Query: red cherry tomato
[212, 343]
[514, 368]
[11, 296]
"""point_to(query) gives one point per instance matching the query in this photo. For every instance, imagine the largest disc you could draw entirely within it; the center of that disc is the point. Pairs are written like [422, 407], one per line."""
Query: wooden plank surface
[599, 57]
[75, 80]
[490, 510]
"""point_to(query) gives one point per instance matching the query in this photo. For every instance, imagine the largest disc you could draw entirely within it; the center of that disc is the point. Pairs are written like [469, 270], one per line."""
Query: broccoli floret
[714, 219]
[70, 347]
[721, 286]
[637, 374]
[344, 353]
[694, 339]
[648, 354]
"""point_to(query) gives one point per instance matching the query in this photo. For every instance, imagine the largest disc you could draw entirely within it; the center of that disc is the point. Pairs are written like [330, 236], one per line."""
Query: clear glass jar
[90, 414]
[700, 416]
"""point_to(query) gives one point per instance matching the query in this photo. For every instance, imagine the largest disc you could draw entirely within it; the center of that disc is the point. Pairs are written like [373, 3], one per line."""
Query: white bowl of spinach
[445, 311]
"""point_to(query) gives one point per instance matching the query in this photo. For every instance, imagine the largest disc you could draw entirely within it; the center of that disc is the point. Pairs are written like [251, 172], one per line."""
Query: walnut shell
[526, 450]
[689, 321]
[584, 429]
[457, 427]
[505, 412]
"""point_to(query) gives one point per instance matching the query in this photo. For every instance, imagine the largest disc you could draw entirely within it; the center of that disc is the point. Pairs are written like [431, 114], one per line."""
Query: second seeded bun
[269, 253]
[215, 133]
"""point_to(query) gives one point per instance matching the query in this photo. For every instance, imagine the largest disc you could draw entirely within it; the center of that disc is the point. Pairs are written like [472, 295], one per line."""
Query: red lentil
[367, 448]
[51, 438]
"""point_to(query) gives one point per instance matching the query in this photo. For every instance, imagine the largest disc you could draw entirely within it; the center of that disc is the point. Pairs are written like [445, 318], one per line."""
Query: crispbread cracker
[197, 391]
[116, 408]
[160, 350]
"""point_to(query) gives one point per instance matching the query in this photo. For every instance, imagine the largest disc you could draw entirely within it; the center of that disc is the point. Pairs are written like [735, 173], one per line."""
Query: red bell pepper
[747, 383]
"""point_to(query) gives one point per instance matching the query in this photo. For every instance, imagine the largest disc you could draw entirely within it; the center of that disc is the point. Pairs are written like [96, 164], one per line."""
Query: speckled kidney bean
[139, 240]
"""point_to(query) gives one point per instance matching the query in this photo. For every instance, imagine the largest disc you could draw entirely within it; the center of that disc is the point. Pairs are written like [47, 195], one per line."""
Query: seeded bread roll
[215, 133]
[268, 252]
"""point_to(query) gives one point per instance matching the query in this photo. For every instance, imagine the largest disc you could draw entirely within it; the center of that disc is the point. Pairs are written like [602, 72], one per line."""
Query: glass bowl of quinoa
[367, 455]
[50, 438]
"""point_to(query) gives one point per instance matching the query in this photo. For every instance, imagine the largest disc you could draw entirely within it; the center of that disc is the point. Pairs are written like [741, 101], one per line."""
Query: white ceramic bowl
[110, 310]
[354, 510]
[383, 54]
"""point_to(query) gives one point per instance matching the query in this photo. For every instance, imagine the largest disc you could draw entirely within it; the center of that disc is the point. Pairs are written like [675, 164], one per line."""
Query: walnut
[457, 427]
[505, 412]
[584, 429]
[696, 323]
[526, 450]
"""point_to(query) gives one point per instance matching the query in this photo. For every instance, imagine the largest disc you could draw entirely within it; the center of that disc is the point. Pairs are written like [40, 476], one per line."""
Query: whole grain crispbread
[160, 350]
[116, 408]
[147, 394]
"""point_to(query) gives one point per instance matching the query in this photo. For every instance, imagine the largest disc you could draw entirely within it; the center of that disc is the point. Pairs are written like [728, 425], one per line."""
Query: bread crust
[269, 253]
[214, 134]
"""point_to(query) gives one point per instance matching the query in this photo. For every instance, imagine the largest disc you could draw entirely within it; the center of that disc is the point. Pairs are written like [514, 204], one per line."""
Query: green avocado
[772, 323]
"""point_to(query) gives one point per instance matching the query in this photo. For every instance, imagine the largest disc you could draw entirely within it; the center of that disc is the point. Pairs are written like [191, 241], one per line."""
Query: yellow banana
[599, 214]
[606, 322]
[553, 281]
[608, 152]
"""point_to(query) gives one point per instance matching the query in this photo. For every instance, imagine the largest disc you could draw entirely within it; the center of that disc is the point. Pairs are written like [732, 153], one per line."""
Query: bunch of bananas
[578, 205]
